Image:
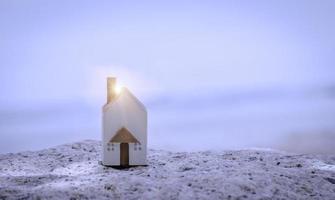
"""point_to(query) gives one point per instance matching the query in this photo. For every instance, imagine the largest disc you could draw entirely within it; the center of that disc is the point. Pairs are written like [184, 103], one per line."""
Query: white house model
[124, 128]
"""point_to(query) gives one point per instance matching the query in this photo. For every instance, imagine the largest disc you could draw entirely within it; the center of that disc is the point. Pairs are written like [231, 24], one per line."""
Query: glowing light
[117, 89]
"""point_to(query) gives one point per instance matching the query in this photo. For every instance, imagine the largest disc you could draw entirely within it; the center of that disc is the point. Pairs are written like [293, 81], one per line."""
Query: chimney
[111, 93]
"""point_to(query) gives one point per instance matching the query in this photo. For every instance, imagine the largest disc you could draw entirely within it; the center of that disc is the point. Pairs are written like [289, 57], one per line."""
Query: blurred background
[213, 74]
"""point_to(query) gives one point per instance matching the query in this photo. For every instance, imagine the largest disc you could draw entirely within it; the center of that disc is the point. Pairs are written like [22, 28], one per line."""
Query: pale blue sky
[229, 74]
[59, 46]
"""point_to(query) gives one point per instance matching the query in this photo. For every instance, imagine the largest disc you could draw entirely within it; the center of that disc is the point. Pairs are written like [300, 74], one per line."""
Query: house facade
[124, 128]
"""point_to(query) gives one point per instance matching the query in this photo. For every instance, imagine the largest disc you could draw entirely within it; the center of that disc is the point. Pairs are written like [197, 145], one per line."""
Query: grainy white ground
[73, 171]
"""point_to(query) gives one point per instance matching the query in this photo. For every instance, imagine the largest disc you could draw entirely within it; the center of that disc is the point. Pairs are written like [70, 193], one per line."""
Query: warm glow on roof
[117, 89]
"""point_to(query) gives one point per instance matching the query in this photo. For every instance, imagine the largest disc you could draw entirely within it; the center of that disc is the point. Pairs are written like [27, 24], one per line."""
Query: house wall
[111, 156]
[111, 123]
[135, 116]
[138, 156]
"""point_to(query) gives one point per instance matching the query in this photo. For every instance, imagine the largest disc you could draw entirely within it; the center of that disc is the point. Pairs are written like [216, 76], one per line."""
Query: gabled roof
[125, 92]
[124, 136]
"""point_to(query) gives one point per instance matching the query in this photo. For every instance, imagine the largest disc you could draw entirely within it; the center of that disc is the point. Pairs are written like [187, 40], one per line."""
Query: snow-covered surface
[73, 171]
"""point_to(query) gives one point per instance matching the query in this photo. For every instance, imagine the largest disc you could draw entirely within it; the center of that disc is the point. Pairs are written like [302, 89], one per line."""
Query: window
[109, 145]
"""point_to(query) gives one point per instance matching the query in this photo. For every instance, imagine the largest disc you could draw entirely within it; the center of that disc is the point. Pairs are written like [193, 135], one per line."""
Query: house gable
[124, 136]
[125, 93]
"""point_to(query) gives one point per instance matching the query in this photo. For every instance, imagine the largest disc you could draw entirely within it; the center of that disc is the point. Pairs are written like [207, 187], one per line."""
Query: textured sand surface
[73, 171]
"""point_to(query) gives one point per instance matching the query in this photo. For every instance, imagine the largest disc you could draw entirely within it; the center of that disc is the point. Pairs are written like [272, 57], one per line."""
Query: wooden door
[124, 154]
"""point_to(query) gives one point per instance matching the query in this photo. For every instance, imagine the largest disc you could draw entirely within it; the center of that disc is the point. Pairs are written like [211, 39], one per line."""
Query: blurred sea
[297, 120]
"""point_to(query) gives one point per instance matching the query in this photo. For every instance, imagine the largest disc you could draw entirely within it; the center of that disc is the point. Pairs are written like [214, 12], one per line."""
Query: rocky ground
[73, 171]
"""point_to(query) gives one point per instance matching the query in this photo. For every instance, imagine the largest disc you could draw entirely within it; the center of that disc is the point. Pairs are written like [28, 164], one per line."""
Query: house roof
[125, 92]
[124, 136]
